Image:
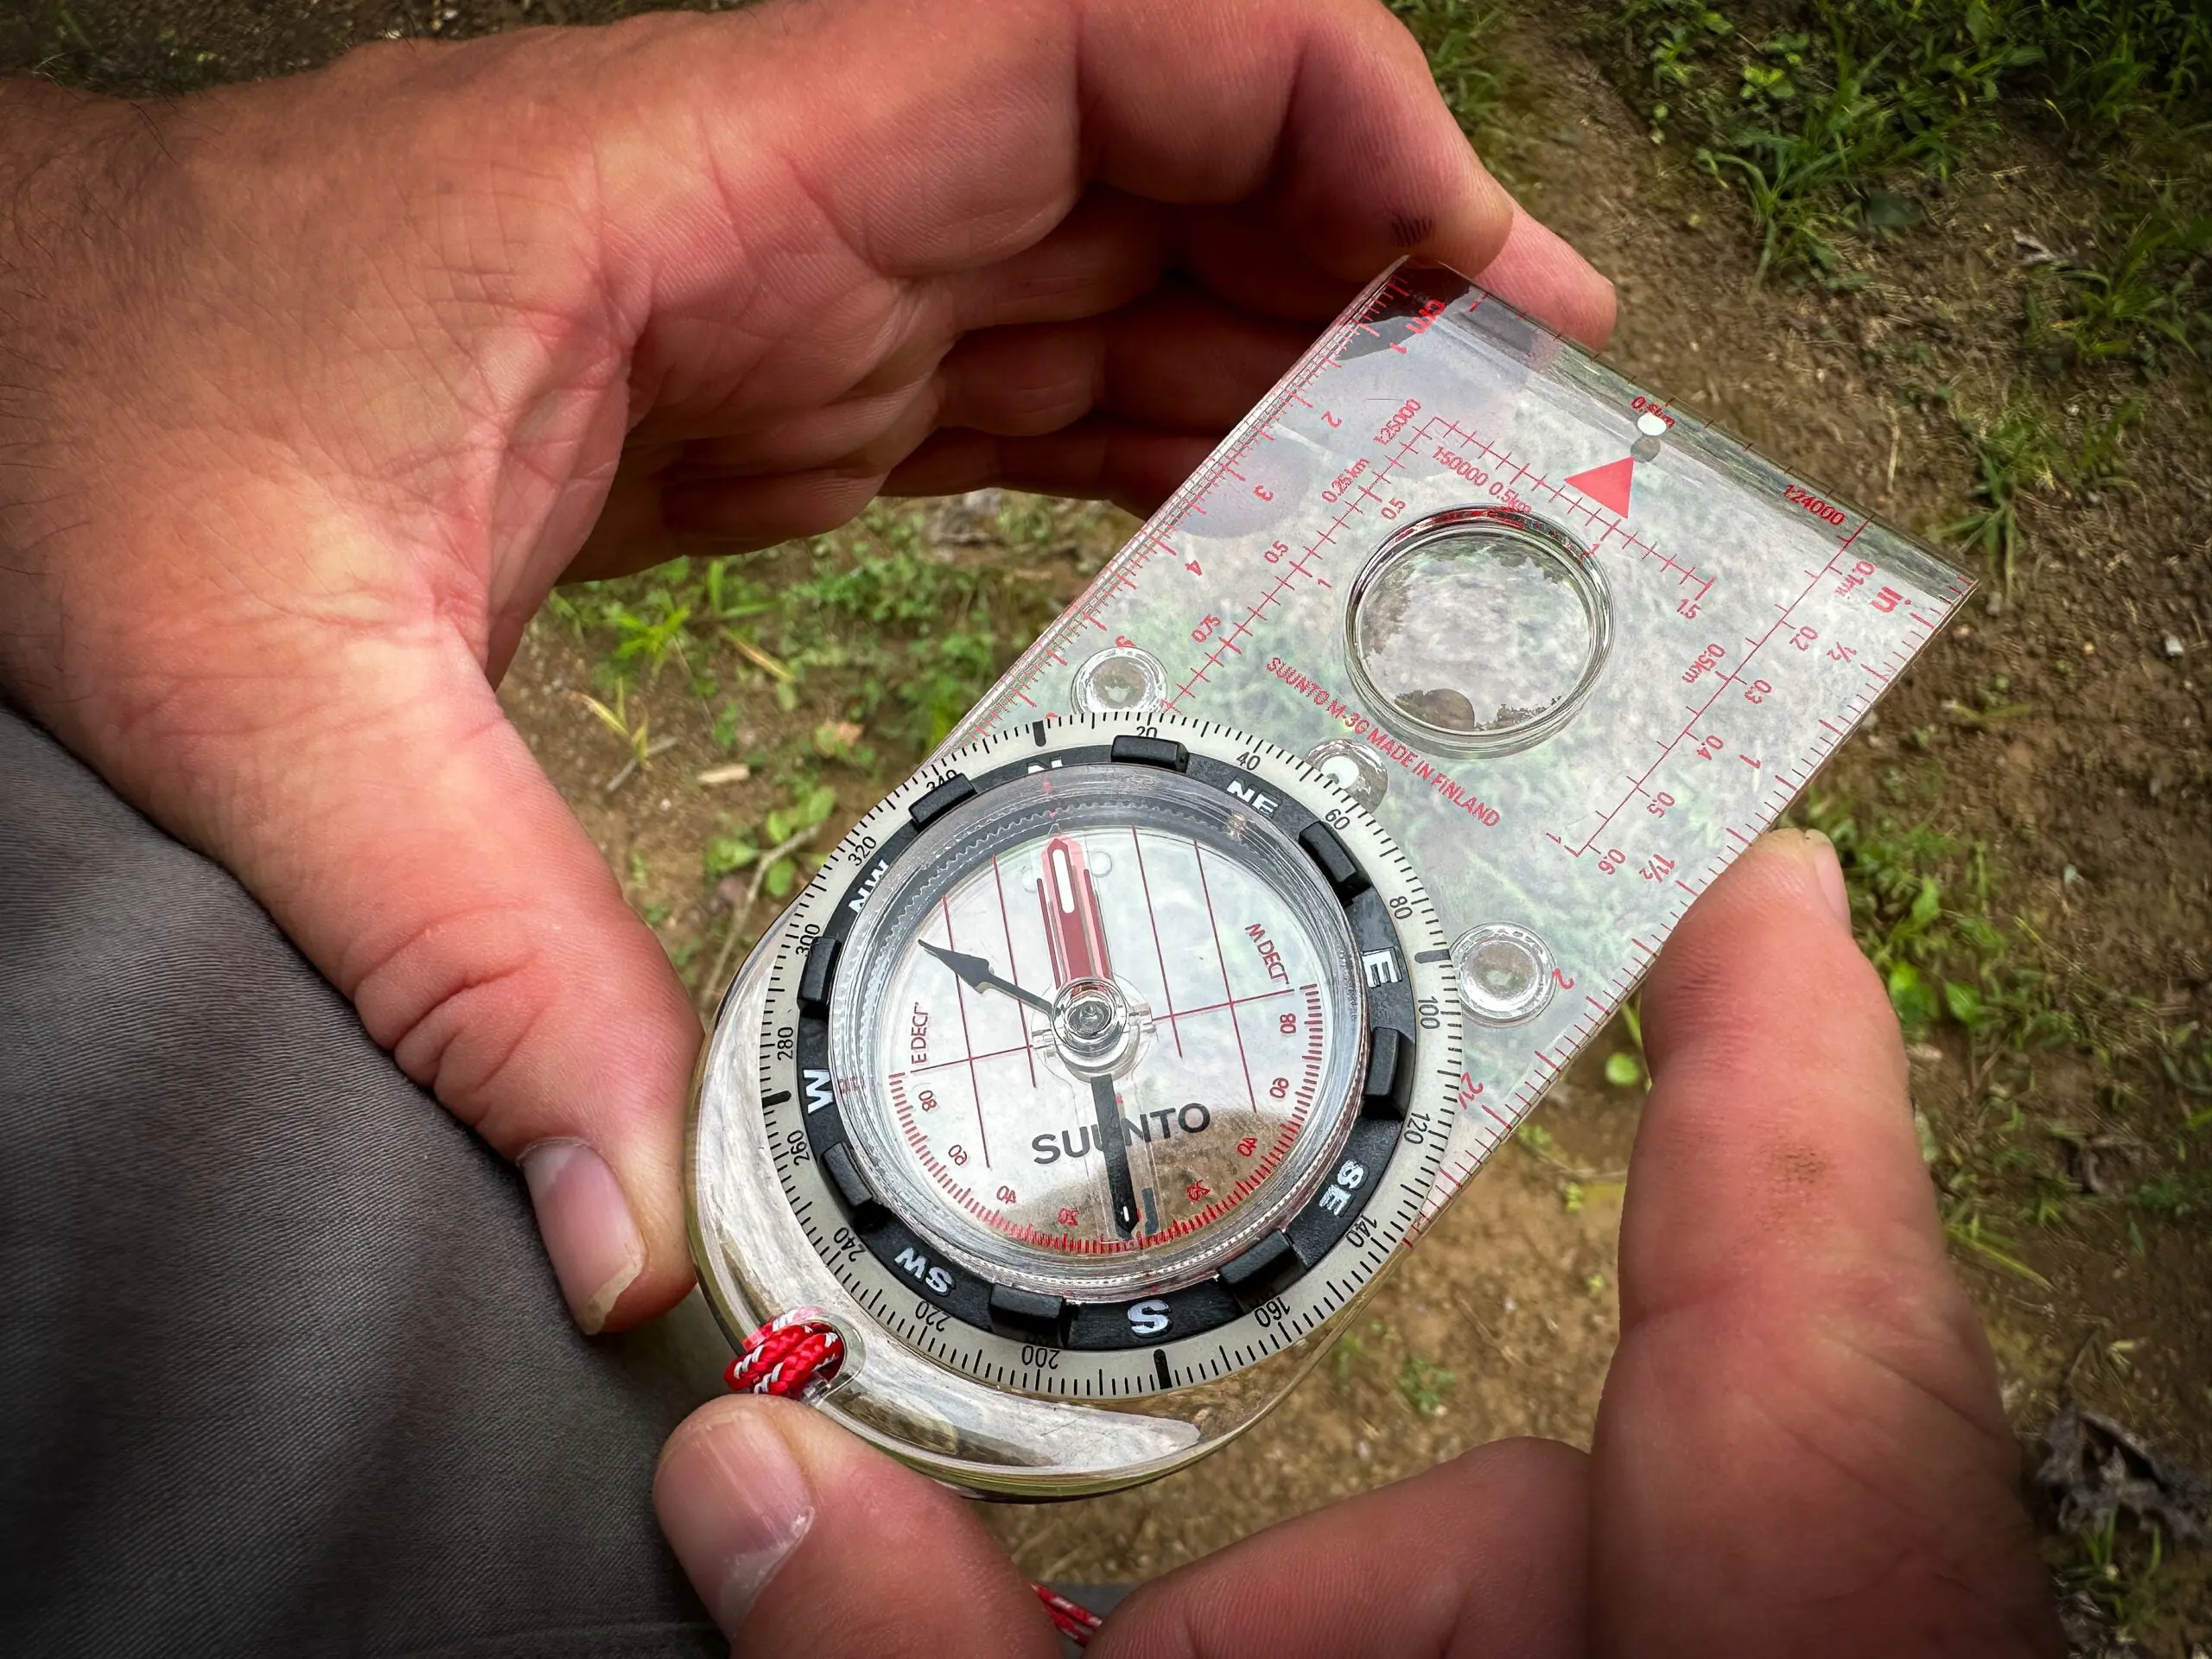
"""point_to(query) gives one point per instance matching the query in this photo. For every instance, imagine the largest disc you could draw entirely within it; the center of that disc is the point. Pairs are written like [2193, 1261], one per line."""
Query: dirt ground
[2062, 731]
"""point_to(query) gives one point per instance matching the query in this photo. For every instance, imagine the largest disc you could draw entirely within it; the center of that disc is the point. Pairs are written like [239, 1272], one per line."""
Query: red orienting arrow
[1608, 484]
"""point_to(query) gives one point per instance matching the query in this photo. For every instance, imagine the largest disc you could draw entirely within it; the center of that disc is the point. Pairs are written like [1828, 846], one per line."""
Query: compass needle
[976, 971]
[1107, 1110]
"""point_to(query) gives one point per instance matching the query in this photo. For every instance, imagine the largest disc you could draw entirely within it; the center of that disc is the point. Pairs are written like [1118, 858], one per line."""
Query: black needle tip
[973, 969]
[1108, 1109]
[976, 971]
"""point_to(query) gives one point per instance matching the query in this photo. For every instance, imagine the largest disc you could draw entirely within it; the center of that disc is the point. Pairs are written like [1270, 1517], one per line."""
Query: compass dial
[1095, 1030]
[1105, 1058]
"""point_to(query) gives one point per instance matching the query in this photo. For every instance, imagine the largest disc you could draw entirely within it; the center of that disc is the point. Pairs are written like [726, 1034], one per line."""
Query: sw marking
[925, 1272]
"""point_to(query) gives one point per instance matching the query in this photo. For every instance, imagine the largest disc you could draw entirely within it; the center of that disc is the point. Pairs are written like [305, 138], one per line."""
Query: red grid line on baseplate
[1532, 1087]
[1149, 542]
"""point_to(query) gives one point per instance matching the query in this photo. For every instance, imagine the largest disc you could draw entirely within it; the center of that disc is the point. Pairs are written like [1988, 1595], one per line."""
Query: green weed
[1629, 1068]
[1923, 909]
[2111, 66]
[117, 54]
[1457, 36]
[1825, 130]
[2014, 455]
[774, 851]
[637, 735]
[2175, 1195]
[1828, 124]
[1425, 1386]
[2021, 451]
[1345, 1359]
[893, 633]
[1966, 1227]
[646, 629]
[2120, 1575]
[2147, 300]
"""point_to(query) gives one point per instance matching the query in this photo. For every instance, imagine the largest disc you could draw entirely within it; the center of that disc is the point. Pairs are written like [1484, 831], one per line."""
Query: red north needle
[1076, 934]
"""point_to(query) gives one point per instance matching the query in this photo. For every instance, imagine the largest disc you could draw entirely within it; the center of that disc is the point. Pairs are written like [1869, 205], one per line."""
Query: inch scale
[1110, 1059]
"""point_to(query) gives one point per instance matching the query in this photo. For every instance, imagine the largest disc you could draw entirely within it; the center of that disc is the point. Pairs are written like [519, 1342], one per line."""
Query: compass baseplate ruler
[1110, 1059]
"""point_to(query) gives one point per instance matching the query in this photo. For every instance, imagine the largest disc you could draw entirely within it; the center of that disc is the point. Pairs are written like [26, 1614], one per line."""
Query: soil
[2091, 803]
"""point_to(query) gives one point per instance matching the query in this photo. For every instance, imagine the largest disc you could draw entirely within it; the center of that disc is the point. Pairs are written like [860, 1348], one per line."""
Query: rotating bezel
[1285, 1283]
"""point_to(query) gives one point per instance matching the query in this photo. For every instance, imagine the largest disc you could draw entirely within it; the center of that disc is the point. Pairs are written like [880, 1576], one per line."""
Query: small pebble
[2172, 647]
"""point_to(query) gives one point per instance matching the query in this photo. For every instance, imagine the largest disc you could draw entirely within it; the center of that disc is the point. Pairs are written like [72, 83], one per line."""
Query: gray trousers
[282, 1369]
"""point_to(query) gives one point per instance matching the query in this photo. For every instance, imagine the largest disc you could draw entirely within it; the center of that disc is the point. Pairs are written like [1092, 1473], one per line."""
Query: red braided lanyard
[793, 1357]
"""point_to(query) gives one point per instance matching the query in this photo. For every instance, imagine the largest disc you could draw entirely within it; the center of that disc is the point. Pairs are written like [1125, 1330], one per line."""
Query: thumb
[801, 1540]
[397, 827]
[1800, 1448]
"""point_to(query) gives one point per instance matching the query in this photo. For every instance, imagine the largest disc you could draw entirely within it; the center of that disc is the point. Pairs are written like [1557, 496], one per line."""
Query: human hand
[316, 386]
[1800, 1449]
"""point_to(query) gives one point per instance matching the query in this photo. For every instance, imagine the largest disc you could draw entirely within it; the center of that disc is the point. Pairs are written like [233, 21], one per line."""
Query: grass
[1834, 121]
[1425, 1386]
[873, 624]
[2145, 307]
[2013, 456]
[1459, 38]
[823, 670]
[2004, 1163]
[2022, 449]
[1826, 118]
[2120, 1573]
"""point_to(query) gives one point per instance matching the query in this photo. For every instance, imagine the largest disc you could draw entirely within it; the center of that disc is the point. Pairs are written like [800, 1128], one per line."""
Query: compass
[1107, 1059]
[1112, 1058]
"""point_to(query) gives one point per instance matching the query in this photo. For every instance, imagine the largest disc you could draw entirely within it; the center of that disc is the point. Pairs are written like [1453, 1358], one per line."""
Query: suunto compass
[1108, 1058]
[1115, 1056]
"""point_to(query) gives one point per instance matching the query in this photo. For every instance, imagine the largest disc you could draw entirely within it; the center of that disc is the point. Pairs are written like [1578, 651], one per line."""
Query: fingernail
[734, 1506]
[1827, 870]
[586, 1224]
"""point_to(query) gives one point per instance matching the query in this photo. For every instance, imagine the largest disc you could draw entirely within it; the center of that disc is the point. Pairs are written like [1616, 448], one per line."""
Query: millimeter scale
[1109, 1060]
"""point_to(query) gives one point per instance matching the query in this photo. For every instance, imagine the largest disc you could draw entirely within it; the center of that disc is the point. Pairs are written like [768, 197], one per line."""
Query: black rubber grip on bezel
[1340, 868]
[1261, 1271]
[819, 973]
[1151, 751]
[1389, 1083]
[1029, 1316]
[934, 803]
[853, 1190]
